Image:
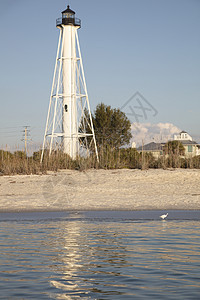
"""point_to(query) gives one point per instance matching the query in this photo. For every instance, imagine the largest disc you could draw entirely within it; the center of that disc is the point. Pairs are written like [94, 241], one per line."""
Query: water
[100, 255]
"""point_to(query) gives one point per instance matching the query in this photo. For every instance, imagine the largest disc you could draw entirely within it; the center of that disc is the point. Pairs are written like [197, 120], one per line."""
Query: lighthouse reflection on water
[89, 252]
[74, 257]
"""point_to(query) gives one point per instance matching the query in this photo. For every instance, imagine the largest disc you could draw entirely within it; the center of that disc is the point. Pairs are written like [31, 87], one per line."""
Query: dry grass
[19, 163]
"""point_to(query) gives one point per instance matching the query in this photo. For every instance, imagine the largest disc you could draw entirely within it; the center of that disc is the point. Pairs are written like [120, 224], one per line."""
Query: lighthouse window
[69, 15]
[66, 108]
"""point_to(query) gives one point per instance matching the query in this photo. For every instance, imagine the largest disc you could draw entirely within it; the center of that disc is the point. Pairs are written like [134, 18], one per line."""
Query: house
[155, 148]
[192, 148]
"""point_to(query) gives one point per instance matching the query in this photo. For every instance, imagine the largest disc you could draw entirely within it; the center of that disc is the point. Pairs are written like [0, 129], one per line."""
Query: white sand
[102, 190]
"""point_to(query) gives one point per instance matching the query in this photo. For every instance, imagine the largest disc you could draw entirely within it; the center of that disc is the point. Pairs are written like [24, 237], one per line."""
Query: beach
[153, 189]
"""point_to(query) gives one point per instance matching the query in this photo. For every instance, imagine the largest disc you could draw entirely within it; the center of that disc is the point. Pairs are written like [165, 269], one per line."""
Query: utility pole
[26, 138]
[143, 162]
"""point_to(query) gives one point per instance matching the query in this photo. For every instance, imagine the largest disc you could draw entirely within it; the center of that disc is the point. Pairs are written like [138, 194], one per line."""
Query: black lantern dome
[68, 11]
[68, 18]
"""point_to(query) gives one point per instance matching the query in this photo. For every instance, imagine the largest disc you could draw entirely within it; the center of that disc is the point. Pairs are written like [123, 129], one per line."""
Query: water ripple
[88, 258]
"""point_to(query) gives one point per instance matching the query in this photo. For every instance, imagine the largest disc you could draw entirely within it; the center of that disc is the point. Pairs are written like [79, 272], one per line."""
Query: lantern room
[68, 18]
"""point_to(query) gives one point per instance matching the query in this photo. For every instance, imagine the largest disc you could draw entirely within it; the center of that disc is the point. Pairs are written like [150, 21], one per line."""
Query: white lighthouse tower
[69, 125]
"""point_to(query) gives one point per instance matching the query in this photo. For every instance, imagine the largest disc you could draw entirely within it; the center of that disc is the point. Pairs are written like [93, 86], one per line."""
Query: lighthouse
[69, 125]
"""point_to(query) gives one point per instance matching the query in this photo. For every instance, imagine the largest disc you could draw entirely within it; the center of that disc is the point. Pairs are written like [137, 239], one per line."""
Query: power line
[14, 127]
[9, 132]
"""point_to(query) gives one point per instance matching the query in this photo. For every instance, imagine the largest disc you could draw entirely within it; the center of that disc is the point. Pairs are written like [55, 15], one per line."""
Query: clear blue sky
[150, 46]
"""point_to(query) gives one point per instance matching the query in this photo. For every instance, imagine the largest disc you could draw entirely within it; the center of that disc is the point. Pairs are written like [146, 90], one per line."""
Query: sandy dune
[102, 190]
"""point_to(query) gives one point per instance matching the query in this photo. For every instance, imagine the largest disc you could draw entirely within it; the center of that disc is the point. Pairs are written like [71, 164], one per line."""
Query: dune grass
[19, 163]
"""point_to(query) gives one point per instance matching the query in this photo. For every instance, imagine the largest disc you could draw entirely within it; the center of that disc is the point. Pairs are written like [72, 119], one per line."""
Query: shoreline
[101, 190]
[93, 210]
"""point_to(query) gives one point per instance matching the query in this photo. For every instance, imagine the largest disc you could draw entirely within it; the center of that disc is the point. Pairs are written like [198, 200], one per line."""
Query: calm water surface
[100, 255]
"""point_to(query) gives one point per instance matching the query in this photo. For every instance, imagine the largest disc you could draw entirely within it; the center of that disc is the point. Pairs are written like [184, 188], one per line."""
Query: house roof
[151, 147]
[183, 132]
[159, 146]
[188, 142]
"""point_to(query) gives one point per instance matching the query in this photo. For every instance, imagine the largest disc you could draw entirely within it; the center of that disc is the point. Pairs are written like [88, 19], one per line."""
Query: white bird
[164, 216]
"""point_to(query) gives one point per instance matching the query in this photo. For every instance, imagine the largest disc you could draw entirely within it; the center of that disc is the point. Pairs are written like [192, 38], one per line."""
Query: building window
[190, 148]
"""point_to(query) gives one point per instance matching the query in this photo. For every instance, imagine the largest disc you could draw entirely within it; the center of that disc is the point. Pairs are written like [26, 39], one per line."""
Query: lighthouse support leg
[51, 97]
[86, 93]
